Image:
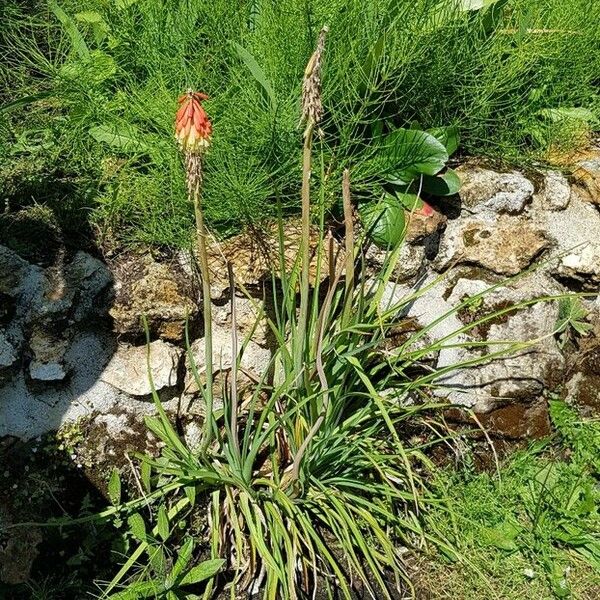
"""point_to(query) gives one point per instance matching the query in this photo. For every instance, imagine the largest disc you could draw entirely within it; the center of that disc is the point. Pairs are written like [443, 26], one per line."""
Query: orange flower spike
[192, 125]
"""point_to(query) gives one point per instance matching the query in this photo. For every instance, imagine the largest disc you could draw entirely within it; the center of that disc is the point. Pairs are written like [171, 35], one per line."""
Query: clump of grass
[532, 530]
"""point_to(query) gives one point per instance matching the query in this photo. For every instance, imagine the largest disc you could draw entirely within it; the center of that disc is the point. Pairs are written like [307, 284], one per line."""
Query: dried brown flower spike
[312, 107]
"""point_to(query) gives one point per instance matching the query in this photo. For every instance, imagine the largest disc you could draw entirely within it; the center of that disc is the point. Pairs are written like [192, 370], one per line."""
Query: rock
[255, 255]
[250, 319]
[106, 441]
[575, 235]
[410, 260]
[421, 306]
[583, 391]
[13, 269]
[583, 387]
[525, 374]
[8, 353]
[48, 351]
[160, 291]
[7, 308]
[254, 364]
[128, 371]
[192, 434]
[513, 421]
[27, 412]
[521, 374]
[581, 264]
[484, 190]
[18, 553]
[39, 294]
[47, 372]
[556, 191]
[505, 245]
[55, 343]
[91, 278]
[586, 176]
[421, 226]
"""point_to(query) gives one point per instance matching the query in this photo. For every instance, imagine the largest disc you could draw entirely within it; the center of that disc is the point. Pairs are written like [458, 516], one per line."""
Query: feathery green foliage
[81, 70]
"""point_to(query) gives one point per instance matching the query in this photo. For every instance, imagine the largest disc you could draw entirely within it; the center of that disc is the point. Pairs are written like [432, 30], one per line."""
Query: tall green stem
[301, 332]
[201, 234]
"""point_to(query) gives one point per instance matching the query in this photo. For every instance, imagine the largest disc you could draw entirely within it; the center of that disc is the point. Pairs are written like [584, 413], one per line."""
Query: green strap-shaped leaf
[79, 45]
[201, 572]
[257, 73]
[139, 590]
[24, 101]
[183, 558]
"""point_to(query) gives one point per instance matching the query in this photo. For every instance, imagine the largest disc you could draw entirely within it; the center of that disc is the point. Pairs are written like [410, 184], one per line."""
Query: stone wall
[72, 343]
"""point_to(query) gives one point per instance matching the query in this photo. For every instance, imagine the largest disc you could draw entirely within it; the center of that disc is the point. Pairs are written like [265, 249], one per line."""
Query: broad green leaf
[139, 590]
[384, 221]
[95, 70]
[121, 4]
[447, 136]
[77, 41]
[89, 17]
[201, 572]
[467, 5]
[183, 558]
[124, 137]
[137, 526]
[547, 477]
[558, 581]
[257, 73]
[162, 523]
[103, 66]
[190, 492]
[157, 559]
[447, 184]
[145, 475]
[569, 114]
[114, 487]
[404, 154]
[410, 202]
[96, 23]
[502, 536]
[444, 12]
[572, 313]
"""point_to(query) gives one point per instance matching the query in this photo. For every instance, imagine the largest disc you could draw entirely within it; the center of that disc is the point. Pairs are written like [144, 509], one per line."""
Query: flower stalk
[193, 132]
[312, 112]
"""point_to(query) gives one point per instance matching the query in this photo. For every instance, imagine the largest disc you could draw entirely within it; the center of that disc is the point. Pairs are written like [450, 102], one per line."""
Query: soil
[39, 482]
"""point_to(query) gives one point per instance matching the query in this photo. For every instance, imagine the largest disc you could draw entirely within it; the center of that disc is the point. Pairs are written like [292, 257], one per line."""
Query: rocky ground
[73, 355]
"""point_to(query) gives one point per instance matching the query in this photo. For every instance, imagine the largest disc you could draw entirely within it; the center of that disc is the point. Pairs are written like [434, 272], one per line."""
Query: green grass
[121, 65]
[530, 531]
